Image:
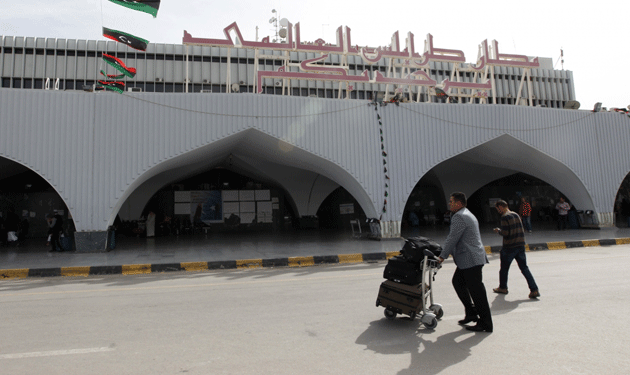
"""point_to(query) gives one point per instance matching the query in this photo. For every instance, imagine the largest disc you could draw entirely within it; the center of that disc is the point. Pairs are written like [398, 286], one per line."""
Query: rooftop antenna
[561, 58]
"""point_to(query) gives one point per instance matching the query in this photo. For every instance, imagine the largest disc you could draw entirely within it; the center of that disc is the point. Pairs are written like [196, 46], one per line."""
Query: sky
[593, 36]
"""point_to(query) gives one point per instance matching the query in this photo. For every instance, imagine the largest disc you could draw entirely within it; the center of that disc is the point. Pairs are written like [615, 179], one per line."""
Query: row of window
[240, 60]
[28, 83]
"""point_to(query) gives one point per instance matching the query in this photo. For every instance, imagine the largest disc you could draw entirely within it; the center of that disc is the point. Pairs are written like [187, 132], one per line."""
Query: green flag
[146, 6]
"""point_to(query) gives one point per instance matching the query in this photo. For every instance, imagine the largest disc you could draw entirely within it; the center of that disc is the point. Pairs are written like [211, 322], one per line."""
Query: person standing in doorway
[526, 214]
[151, 224]
[513, 248]
[12, 226]
[464, 244]
[55, 228]
[563, 208]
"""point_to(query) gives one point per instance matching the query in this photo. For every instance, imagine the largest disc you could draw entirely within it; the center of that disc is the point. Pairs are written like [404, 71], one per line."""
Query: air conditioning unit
[206, 81]
[159, 80]
[134, 89]
[278, 83]
[205, 91]
[236, 87]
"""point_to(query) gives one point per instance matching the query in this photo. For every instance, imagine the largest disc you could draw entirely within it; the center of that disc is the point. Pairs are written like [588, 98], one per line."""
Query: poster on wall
[346, 209]
[182, 196]
[262, 195]
[206, 207]
[182, 209]
[246, 195]
[230, 195]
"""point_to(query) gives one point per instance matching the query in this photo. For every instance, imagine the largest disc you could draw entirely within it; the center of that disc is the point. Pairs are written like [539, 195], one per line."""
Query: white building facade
[107, 154]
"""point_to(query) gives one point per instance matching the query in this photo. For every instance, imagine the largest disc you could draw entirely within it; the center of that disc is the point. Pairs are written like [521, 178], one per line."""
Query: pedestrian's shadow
[500, 305]
[401, 336]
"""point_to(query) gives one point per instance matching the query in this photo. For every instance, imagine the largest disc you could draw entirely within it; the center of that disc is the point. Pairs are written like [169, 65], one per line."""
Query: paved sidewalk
[252, 250]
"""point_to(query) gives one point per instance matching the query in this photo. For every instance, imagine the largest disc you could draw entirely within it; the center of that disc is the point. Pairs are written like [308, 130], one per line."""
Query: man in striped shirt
[513, 248]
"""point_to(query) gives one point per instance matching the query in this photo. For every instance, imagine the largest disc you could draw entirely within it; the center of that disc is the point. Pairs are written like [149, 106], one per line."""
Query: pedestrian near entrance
[464, 244]
[563, 208]
[513, 248]
[526, 214]
[55, 227]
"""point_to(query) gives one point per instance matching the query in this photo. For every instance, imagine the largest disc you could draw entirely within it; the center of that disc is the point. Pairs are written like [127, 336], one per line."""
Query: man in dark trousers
[464, 244]
[55, 228]
[513, 248]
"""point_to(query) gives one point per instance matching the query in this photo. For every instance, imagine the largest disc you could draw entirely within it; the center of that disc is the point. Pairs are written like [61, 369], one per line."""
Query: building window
[6, 82]
[17, 83]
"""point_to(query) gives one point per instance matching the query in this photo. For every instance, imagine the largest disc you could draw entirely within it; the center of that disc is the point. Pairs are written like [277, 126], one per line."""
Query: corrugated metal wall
[94, 148]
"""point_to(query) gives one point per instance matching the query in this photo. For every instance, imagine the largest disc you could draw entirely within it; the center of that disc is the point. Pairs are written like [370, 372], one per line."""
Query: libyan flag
[119, 87]
[119, 65]
[112, 76]
[124, 38]
[146, 6]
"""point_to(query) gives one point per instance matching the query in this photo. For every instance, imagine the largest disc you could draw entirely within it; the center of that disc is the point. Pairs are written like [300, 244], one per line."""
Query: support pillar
[390, 229]
[606, 219]
[90, 242]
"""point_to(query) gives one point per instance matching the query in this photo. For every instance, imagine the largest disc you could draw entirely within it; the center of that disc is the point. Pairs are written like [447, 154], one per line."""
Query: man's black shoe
[479, 328]
[468, 319]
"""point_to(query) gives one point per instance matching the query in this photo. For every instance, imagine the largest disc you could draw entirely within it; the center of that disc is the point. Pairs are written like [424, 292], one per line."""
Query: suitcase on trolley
[400, 298]
[401, 270]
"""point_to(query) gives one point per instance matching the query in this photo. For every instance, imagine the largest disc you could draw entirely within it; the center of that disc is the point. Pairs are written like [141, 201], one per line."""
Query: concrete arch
[11, 167]
[505, 155]
[307, 178]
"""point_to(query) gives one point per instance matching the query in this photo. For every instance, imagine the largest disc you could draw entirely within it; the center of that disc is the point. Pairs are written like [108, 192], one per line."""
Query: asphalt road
[317, 320]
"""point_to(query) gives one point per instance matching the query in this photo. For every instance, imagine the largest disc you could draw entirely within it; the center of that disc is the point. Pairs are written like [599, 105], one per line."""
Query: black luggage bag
[400, 270]
[400, 298]
[414, 247]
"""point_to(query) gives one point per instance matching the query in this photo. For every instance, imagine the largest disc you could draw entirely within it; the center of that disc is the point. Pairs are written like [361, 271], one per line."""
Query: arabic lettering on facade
[489, 57]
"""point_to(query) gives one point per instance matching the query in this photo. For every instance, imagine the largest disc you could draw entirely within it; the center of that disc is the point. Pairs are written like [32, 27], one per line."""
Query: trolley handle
[434, 261]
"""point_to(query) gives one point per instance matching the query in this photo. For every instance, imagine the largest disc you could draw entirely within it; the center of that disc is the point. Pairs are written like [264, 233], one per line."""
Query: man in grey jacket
[464, 244]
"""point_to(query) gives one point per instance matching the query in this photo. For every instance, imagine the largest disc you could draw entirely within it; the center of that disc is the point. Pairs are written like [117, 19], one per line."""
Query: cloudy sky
[594, 36]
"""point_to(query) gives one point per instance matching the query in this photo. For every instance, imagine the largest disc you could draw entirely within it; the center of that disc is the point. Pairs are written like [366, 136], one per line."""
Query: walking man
[513, 248]
[464, 244]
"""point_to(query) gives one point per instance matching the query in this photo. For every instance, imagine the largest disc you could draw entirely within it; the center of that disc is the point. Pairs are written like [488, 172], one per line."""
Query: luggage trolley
[413, 300]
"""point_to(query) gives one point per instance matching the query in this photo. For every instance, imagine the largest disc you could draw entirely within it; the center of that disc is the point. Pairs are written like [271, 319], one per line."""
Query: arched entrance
[622, 204]
[292, 184]
[32, 198]
[505, 161]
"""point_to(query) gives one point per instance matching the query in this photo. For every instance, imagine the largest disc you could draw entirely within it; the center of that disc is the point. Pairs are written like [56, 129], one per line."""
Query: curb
[137, 269]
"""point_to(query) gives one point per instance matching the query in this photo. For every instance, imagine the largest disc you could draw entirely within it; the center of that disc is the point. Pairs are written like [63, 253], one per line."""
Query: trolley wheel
[432, 324]
[412, 316]
[389, 314]
[439, 313]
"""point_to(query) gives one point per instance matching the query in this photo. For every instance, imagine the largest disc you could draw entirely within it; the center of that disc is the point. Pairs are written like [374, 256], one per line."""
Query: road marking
[55, 353]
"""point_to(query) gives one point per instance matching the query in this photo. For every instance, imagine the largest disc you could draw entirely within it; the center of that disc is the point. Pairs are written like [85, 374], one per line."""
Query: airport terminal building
[271, 136]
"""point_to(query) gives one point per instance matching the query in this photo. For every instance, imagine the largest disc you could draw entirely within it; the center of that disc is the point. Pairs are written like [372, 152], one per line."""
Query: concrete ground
[217, 247]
